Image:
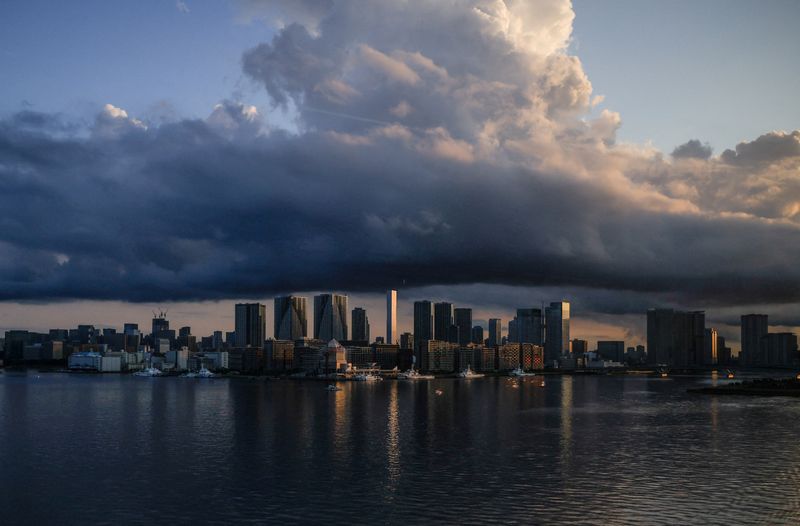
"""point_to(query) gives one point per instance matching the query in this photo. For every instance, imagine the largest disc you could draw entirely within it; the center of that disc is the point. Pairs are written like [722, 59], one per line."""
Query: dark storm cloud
[692, 149]
[418, 161]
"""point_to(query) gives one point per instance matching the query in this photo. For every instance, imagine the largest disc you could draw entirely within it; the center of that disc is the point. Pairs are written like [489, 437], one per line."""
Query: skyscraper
[495, 328]
[675, 338]
[251, 324]
[423, 327]
[557, 331]
[330, 317]
[463, 320]
[360, 323]
[711, 347]
[529, 327]
[291, 318]
[477, 335]
[442, 320]
[391, 317]
[754, 328]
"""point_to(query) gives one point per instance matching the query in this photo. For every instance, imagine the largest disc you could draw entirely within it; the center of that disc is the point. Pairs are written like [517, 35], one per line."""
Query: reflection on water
[583, 450]
[566, 420]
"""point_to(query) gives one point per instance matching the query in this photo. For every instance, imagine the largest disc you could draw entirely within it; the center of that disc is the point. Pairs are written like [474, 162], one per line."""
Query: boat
[439, 392]
[333, 387]
[729, 374]
[149, 372]
[411, 374]
[519, 373]
[469, 373]
[202, 373]
[367, 377]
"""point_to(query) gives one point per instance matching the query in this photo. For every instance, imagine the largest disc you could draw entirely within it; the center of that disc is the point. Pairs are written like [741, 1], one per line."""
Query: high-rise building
[463, 320]
[675, 338]
[557, 331]
[406, 340]
[442, 320]
[391, 317]
[250, 324]
[160, 325]
[330, 317]
[360, 324]
[477, 335]
[613, 350]
[290, 318]
[579, 347]
[423, 327]
[711, 347]
[495, 331]
[778, 349]
[529, 327]
[754, 328]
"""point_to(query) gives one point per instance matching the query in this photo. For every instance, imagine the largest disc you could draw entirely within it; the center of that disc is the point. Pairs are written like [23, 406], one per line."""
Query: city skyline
[265, 178]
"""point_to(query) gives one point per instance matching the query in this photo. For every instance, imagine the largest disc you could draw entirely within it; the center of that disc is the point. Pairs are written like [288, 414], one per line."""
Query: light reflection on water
[583, 450]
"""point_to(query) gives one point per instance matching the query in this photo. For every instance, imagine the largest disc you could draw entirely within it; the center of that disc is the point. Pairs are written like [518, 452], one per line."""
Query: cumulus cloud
[424, 160]
[692, 149]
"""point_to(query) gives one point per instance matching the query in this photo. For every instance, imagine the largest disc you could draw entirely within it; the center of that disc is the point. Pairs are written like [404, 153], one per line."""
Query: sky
[186, 155]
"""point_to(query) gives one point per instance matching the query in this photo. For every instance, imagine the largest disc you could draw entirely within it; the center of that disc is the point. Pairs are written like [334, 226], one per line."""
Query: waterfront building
[290, 318]
[465, 357]
[508, 357]
[442, 320]
[85, 361]
[711, 347]
[488, 359]
[359, 357]
[391, 317]
[279, 355]
[495, 331]
[386, 355]
[251, 319]
[675, 338]
[330, 317]
[611, 350]
[360, 324]
[438, 356]
[453, 334]
[463, 320]
[556, 343]
[531, 356]
[778, 349]
[579, 347]
[754, 327]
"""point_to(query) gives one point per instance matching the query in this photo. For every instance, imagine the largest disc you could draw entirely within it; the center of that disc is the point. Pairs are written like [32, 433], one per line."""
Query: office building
[556, 343]
[675, 338]
[463, 320]
[442, 320]
[391, 317]
[711, 347]
[754, 328]
[778, 350]
[290, 318]
[495, 331]
[528, 327]
[579, 347]
[250, 325]
[360, 324]
[159, 326]
[330, 317]
[423, 327]
[612, 350]
[406, 340]
[477, 335]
